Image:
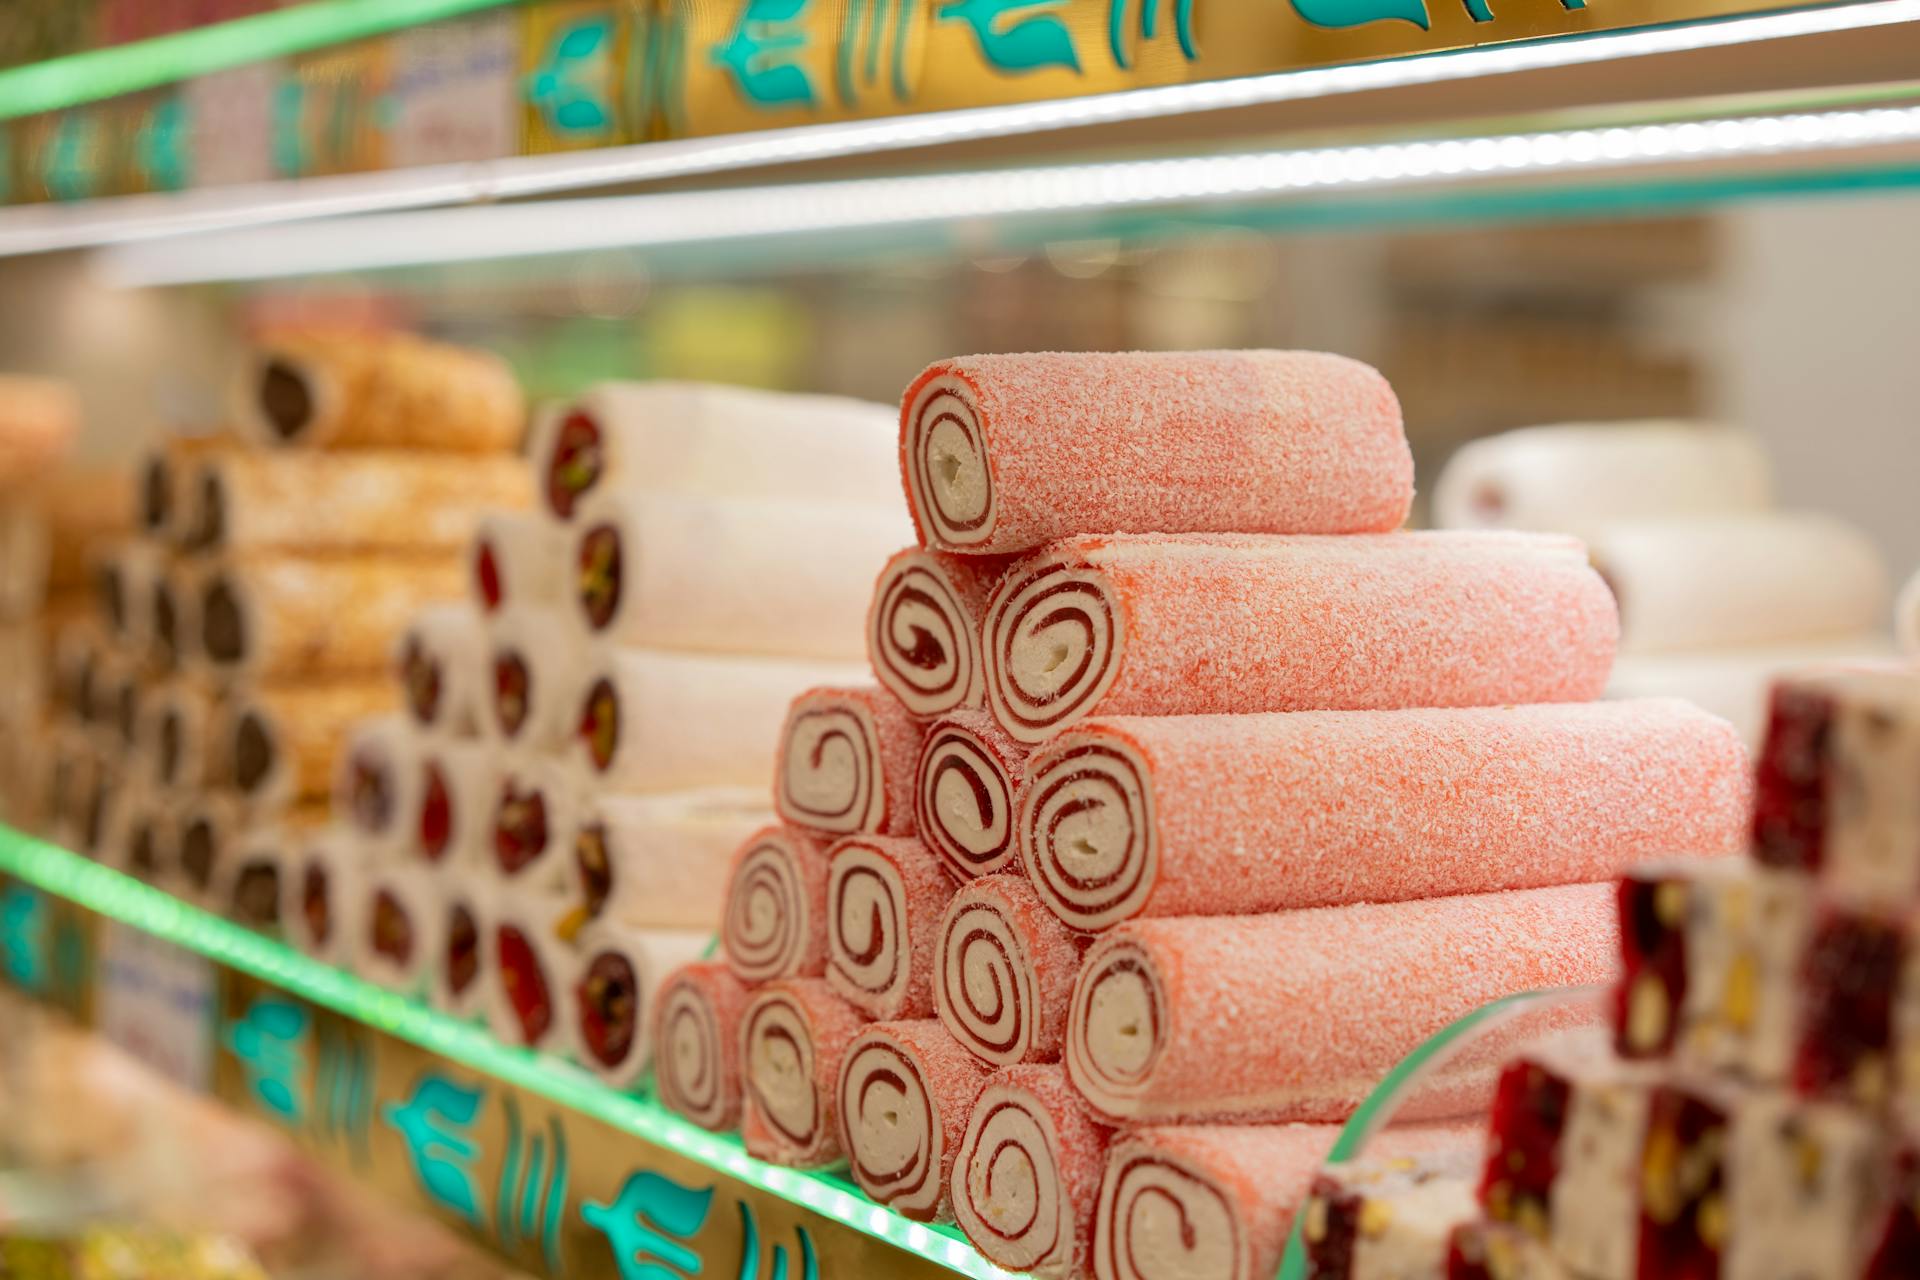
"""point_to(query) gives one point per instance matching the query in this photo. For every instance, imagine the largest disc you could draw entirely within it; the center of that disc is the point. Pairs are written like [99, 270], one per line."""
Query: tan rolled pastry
[442, 661]
[380, 391]
[174, 613]
[250, 884]
[373, 784]
[140, 837]
[452, 821]
[662, 860]
[652, 721]
[720, 575]
[23, 558]
[209, 826]
[76, 656]
[175, 748]
[398, 925]
[460, 983]
[516, 559]
[115, 713]
[610, 1001]
[73, 763]
[284, 739]
[324, 894]
[100, 815]
[533, 967]
[281, 617]
[84, 509]
[39, 419]
[535, 662]
[374, 501]
[124, 581]
[165, 498]
[535, 811]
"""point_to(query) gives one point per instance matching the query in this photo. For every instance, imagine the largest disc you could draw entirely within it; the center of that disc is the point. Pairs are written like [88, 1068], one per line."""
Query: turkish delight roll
[454, 803]
[653, 721]
[846, 763]
[1833, 791]
[965, 792]
[379, 391]
[405, 503]
[1151, 625]
[251, 885]
[124, 581]
[1235, 815]
[662, 860]
[459, 976]
[374, 781]
[209, 827]
[279, 617]
[1027, 1174]
[533, 964]
[1003, 976]
[324, 893]
[784, 577]
[535, 657]
[443, 663]
[176, 735]
[886, 897]
[775, 924]
[399, 921]
[923, 628]
[718, 441]
[1005, 452]
[536, 805]
[282, 740]
[1194, 1018]
[905, 1091]
[1807, 1182]
[1747, 932]
[1682, 1176]
[1851, 975]
[515, 559]
[1378, 1217]
[163, 488]
[696, 1043]
[793, 1036]
[148, 837]
[1763, 578]
[610, 1002]
[1571, 476]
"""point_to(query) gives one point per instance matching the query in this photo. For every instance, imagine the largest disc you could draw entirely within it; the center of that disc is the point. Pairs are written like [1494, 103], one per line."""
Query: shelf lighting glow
[41, 228]
[705, 217]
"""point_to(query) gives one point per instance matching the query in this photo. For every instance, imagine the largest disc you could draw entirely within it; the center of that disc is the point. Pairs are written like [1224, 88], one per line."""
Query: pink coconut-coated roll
[846, 763]
[1295, 1016]
[1237, 815]
[1004, 452]
[1205, 625]
[905, 1091]
[923, 628]
[1027, 1176]
[966, 793]
[885, 900]
[793, 1037]
[696, 1043]
[775, 922]
[1003, 979]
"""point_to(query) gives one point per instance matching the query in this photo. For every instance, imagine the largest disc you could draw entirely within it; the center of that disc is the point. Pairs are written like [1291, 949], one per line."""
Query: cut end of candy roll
[607, 1009]
[904, 1093]
[793, 1037]
[923, 630]
[775, 921]
[1053, 644]
[944, 451]
[1089, 838]
[226, 622]
[574, 463]
[1117, 1027]
[599, 568]
[876, 903]
[964, 795]
[697, 1044]
[831, 775]
[1003, 972]
[289, 395]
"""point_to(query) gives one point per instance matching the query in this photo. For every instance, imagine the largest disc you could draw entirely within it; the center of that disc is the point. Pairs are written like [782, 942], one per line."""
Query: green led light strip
[107, 73]
[121, 898]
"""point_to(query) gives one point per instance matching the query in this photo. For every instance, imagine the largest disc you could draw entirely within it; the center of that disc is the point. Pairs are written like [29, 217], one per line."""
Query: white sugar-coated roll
[1735, 684]
[534, 657]
[374, 782]
[536, 808]
[662, 860]
[653, 721]
[609, 1003]
[905, 1092]
[1571, 476]
[886, 897]
[700, 438]
[460, 973]
[532, 964]
[398, 923]
[455, 800]
[324, 895]
[1740, 580]
[444, 661]
[696, 1043]
[787, 577]
[517, 560]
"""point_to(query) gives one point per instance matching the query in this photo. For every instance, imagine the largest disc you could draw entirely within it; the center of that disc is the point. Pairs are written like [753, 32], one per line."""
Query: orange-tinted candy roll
[1003, 979]
[1237, 815]
[885, 900]
[793, 1036]
[846, 763]
[1005, 452]
[1207, 625]
[966, 791]
[284, 739]
[923, 628]
[775, 923]
[1295, 1016]
[906, 1089]
[273, 617]
[696, 1043]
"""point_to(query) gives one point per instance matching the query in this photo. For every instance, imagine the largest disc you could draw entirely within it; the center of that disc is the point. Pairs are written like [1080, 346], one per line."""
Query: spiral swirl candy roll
[1236, 815]
[846, 763]
[776, 919]
[533, 966]
[536, 656]
[1225, 624]
[1027, 1175]
[718, 441]
[617, 979]
[1003, 979]
[885, 901]
[923, 628]
[274, 616]
[663, 860]
[374, 781]
[515, 559]
[536, 806]
[652, 721]
[696, 1043]
[793, 1036]
[770, 576]
[966, 792]
[1295, 1016]
[906, 1089]
[443, 663]
[379, 391]
[455, 802]
[282, 740]
[1005, 452]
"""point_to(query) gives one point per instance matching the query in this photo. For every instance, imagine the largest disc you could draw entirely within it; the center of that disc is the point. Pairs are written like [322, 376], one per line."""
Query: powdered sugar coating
[696, 1037]
[793, 1036]
[846, 763]
[775, 925]
[1003, 978]
[966, 792]
[1294, 1016]
[923, 628]
[905, 1091]
[885, 900]
[1003, 452]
